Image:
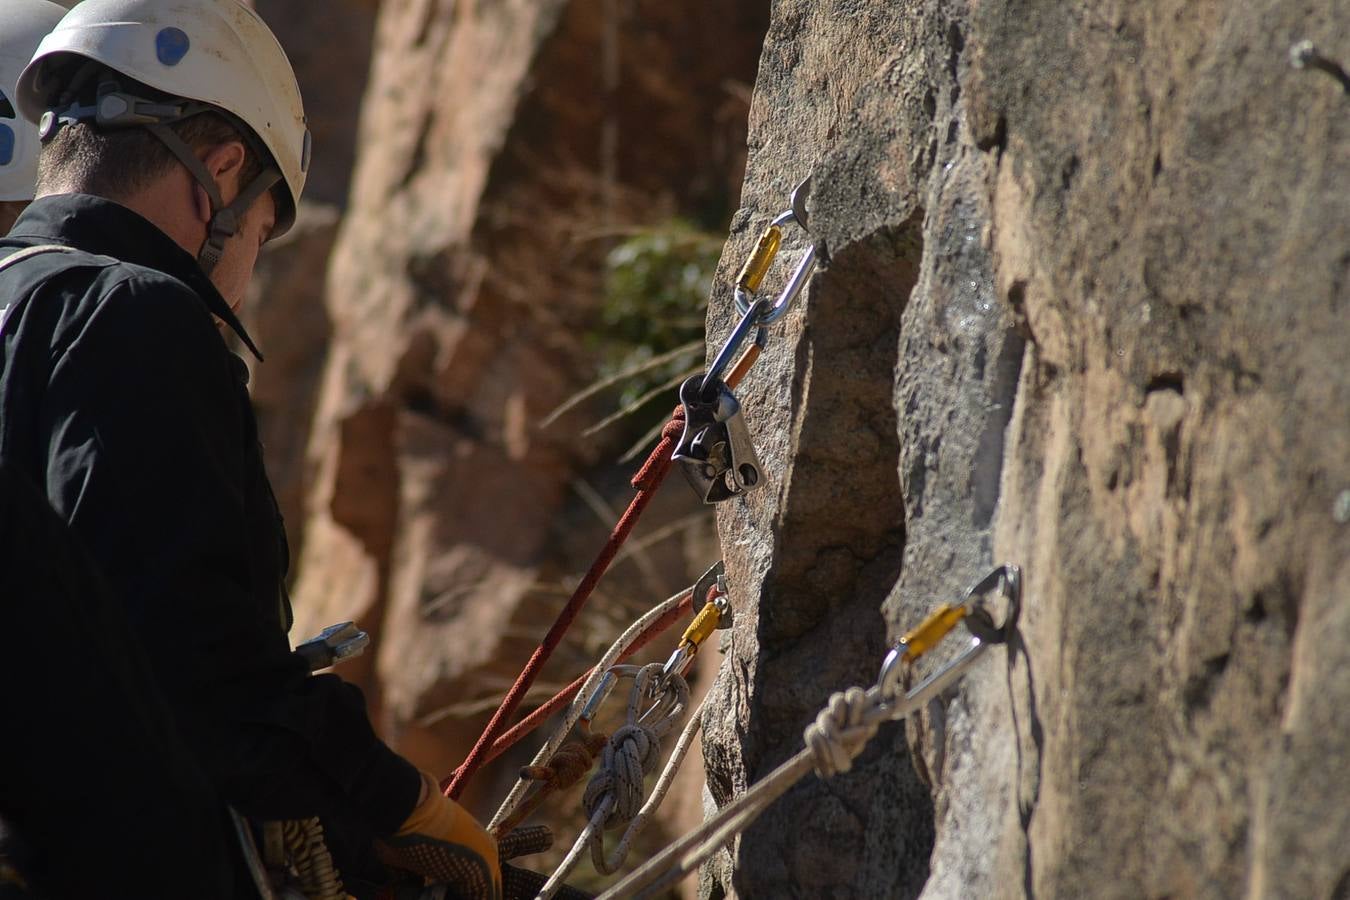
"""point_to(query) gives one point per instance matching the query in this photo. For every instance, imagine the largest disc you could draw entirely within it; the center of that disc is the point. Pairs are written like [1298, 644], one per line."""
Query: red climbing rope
[563, 697]
[647, 480]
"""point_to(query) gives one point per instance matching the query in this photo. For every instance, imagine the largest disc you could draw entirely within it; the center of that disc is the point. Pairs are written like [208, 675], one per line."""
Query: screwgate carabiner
[978, 621]
[757, 266]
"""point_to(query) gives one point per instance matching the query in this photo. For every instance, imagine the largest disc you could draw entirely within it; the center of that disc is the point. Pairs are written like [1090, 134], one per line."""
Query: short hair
[117, 162]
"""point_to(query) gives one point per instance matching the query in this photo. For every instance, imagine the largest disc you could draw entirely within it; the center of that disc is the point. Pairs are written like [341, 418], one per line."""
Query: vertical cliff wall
[1086, 311]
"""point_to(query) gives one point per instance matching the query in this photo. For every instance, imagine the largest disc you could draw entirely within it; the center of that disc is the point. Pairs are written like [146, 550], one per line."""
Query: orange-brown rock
[499, 147]
[1085, 311]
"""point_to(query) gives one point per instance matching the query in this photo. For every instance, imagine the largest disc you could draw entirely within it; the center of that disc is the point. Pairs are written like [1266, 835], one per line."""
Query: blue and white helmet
[215, 52]
[23, 25]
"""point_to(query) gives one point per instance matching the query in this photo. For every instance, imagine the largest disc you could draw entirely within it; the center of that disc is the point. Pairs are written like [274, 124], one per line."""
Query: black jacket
[119, 396]
[92, 767]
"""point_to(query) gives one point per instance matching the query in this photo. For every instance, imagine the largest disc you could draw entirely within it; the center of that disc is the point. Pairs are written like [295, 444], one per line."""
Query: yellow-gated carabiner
[928, 635]
[757, 313]
[757, 266]
[762, 257]
[708, 620]
[973, 612]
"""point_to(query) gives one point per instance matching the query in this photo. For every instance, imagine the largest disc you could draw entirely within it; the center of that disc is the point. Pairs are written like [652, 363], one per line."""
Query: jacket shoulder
[140, 296]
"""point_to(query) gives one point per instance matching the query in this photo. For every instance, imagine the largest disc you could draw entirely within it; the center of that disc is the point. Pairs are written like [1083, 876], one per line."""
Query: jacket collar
[102, 227]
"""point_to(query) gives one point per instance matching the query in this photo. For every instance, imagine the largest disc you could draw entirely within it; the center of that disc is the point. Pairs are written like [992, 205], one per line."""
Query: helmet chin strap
[225, 219]
[114, 108]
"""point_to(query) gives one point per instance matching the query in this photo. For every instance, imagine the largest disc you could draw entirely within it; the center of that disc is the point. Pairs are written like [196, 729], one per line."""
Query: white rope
[614, 793]
[634, 749]
[616, 859]
[573, 712]
[631, 755]
[839, 734]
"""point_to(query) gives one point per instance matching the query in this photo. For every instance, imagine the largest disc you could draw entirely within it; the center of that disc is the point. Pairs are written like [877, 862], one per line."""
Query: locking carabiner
[766, 250]
[974, 613]
[715, 615]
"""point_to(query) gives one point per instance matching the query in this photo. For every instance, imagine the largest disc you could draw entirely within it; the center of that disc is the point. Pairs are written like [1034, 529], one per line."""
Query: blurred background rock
[509, 202]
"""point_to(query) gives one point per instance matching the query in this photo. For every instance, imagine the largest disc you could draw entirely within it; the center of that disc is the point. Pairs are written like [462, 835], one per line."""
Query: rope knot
[629, 757]
[569, 764]
[829, 737]
[634, 749]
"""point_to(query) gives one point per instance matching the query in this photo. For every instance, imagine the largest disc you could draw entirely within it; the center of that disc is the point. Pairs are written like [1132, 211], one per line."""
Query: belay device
[715, 450]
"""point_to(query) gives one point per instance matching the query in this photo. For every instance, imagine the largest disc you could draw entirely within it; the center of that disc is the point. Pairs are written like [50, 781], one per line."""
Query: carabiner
[706, 621]
[971, 611]
[766, 249]
[738, 335]
[604, 688]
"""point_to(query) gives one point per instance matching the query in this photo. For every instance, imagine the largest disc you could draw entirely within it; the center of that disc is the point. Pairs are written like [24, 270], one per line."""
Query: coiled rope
[613, 798]
[317, 877]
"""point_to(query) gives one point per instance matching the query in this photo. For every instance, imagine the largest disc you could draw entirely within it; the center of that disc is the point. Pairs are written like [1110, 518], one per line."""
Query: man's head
[25, 23]
[186, 111]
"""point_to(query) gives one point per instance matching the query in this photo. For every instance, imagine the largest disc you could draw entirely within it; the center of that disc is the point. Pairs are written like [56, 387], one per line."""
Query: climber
[26, 22]
[48, 586]
[174, 145]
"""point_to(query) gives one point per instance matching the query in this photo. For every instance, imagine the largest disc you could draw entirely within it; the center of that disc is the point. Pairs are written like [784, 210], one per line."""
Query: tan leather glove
[445, 845]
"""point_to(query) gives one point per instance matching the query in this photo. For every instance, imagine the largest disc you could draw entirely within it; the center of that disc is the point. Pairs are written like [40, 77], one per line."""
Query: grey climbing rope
[839, 733]
[614, 796]
[574, 711]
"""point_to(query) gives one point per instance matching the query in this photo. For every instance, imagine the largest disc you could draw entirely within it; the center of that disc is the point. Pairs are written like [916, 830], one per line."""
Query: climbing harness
[716, 451]
[844, 726]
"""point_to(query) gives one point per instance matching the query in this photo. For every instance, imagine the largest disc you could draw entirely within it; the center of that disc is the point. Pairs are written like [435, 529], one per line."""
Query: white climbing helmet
[216, 52]
[23, 23]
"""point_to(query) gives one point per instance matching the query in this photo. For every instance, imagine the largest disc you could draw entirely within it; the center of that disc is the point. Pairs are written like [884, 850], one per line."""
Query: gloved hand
[444, 844]
[522, 884]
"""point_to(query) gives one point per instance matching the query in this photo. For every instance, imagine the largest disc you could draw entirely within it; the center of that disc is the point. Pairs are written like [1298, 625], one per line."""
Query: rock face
[1085, 311]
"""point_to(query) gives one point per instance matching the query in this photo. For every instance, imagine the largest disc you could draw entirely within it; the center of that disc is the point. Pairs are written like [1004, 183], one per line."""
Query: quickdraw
[716, 451]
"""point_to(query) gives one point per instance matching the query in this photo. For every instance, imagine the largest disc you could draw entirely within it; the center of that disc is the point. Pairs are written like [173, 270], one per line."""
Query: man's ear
[225, 162]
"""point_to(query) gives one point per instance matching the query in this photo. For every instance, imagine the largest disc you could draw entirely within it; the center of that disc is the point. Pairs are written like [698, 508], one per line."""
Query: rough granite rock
[1085, 311]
